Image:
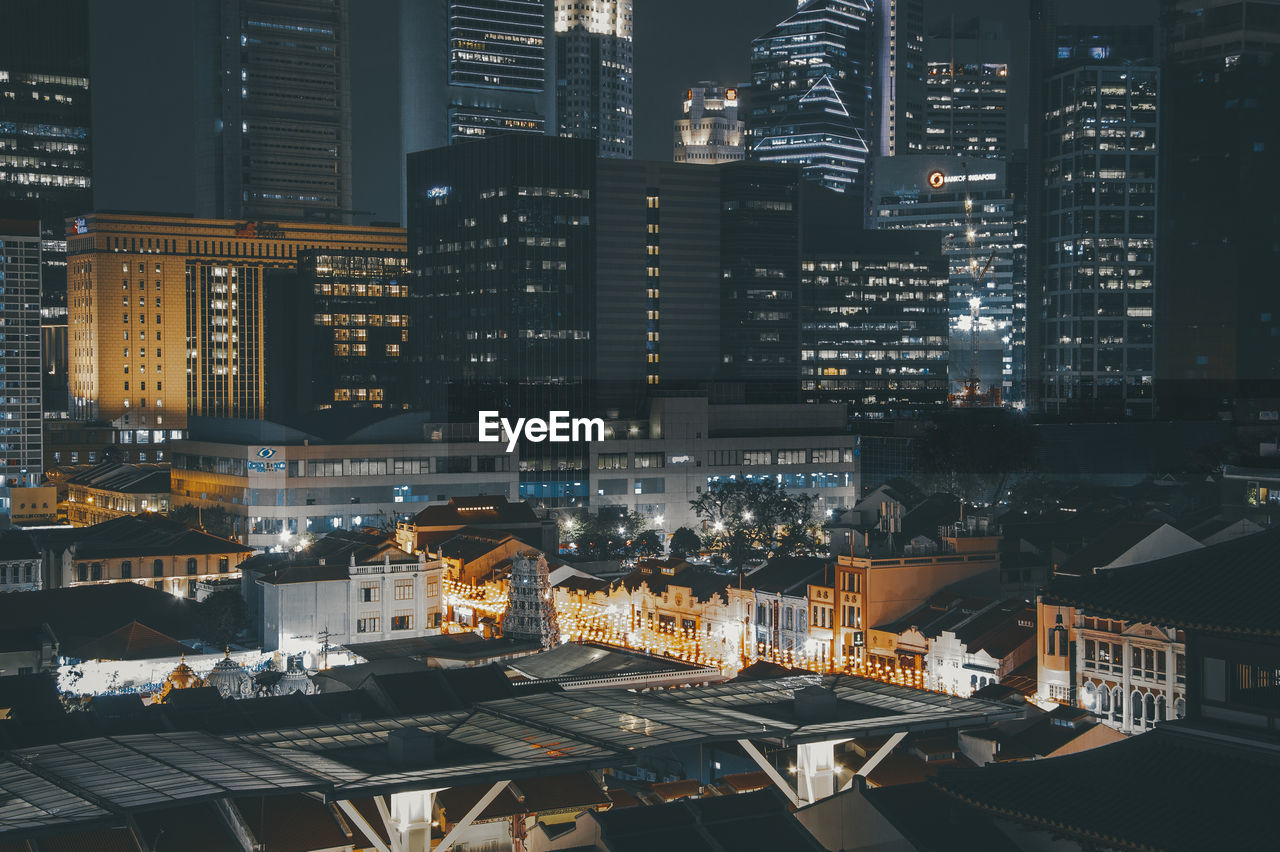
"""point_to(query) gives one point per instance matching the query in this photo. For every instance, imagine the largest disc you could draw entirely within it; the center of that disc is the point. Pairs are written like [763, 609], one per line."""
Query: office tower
[967, 89]
[20, 415]
[340, 334]
[167, 314]
[975, 207]
[491, 75]
[1218, 332]
[873, 325]
[709, 131]
[46, 148]
[273, 110]
[760, 278]
[1098, 203]
[811, 93]
[594, 73]
[657, 273]
[900, 76]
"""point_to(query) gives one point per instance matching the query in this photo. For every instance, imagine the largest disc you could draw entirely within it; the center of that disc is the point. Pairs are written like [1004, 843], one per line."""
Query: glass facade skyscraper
[273, 110]
[20, 413]
[811, 93]
[967, 89]
[595, 74]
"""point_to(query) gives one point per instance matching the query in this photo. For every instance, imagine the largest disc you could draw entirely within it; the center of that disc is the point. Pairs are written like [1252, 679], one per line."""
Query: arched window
[1117, 705]
[1136, 708]
[126, 569]
[95, 571]
[191, 565]
[1104, 701]
[1179, 708]
[82, 572]
[157, 568]
[1150, 708]
[1090, 698]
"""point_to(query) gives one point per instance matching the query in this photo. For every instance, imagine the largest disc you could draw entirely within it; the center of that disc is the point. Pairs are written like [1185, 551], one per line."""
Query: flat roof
[100, 781]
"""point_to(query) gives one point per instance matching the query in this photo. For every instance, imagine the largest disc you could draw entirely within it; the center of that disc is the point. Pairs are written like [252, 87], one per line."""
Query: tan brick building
[166, 314]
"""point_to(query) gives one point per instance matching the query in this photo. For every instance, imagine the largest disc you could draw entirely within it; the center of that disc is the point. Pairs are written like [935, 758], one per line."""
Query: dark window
[192, 565]
[126, 570]
[82, 572]
[224, 564]
[157, 568]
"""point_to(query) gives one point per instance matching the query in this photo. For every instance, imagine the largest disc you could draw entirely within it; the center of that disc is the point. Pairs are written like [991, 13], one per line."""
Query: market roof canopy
[100, 780]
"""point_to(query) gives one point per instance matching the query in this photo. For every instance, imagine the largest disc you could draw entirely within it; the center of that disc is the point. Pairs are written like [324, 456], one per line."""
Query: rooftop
[476, 511]
[124, 478]
[141, 535]
[1226, 588]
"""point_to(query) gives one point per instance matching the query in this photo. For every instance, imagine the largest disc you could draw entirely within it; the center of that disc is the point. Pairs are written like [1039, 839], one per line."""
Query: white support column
[410, 820]
[476, 809]
[816, 770]
[363, 824]
[881, 754]
[783, 784]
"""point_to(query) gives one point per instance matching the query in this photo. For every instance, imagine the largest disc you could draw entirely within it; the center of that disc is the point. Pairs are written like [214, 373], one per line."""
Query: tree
[606, 535]
[221, 617]
[685, 542]
[214, 520]
[971, 453]
[757, 519]
[647, 544]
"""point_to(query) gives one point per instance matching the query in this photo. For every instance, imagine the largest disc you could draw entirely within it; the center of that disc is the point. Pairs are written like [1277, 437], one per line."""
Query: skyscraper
[46, 151]
[967, 85]
[490, 75]
[273, 110]
[709, 130]
[900, 72]
[811, 93]
[1098, 209]
[974, 205]
[20, 414]
[1219, 341]
[594, 74]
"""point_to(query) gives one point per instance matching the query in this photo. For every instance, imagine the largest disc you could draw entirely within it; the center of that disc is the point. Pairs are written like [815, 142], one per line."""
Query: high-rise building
[811, 93]
[186, 332]
[20, 414]
[982, 220]
[46, 151]
[594, 74]
[1097, 201]
[873, 325]
[967, 89]
[273, 110]
[491, 75]
[709, 130]
[900, 76]
[340, 334]
[1218, 185]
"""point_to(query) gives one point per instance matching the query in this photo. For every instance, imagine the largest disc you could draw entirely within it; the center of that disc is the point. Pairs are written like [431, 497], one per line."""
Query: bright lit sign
[731, 94]
[937, 180]
[439, 191]
[266, 453]
[82, 227]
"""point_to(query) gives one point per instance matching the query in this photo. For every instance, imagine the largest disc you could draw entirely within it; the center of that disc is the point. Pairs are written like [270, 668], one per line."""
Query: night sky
[142, 83]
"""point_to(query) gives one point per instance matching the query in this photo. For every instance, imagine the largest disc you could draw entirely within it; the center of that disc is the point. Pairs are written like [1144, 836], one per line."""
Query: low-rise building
[488, 514]
[350, 587]
[19, 562]
[35, 505]
[146, 548]
[278, 482]
[983, 649]
[657, 466]
[112, 490]
[779, 603]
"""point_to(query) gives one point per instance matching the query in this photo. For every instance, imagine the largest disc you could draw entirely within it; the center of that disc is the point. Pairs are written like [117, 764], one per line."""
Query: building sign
[858, 640]
[266, 453]
[438, 191]
[937, 180]
[82, 227]
[260, 230]
[266, 467]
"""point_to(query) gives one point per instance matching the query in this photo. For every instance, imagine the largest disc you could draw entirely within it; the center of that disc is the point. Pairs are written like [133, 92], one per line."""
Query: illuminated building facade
[710, 131]
[595, 74]
[1098, 203]
[991, 265]
[46, 154]
[873, 326]
[900, 72]
[811, 93]
[967, 89]
[345, 333]
[168, 314]
[273, 110]
[21, 420]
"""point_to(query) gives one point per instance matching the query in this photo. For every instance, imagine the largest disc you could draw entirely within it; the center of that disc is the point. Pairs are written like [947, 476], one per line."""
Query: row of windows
[93, 571]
